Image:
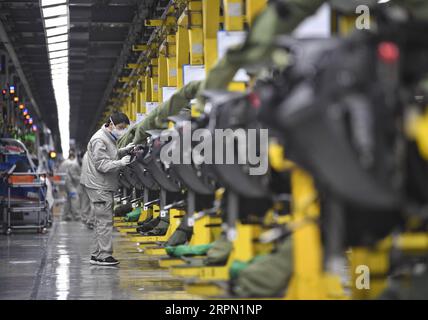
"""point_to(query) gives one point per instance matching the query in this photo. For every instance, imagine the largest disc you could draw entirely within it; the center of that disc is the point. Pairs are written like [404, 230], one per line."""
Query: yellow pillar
[182, 47]
[211, 23]
[196, 36]
[148, 88]
[171, 60]
[154, 79]
[162, 75]
[137, 99]
[233, 15]
[142, 84]
[307, 250]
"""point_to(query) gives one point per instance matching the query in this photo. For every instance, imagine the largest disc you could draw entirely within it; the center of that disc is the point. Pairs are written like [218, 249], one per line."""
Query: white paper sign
[193, 73]
[150, 106]
[316, 26]
[167, 92]
[226, 40]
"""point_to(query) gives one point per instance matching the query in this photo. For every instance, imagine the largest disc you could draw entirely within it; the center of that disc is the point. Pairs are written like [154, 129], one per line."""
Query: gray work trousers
[70, 210]
[86, 211]
[102, 204]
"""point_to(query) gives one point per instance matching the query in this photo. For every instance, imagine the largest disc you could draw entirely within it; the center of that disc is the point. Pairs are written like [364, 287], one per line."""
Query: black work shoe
[93, 260]
[109, 261]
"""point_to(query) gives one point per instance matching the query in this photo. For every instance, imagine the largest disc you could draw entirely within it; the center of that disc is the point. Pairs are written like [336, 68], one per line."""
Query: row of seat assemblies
[338, 210]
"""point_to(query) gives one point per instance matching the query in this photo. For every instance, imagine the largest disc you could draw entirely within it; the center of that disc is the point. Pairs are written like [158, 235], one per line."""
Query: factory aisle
[55, 266]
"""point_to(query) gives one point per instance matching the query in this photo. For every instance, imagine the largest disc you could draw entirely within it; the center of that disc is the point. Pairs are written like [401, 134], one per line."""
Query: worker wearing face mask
[100, 177]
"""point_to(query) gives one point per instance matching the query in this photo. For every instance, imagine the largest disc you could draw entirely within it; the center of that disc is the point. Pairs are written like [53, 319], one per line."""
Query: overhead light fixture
[58, 46]
[59, 66]
[56, 22]
[59, 60]
[56, 31]
[58, 54]
[45, 3]
[56, 39]
[60, 71]
[60, 77]
[54, 11]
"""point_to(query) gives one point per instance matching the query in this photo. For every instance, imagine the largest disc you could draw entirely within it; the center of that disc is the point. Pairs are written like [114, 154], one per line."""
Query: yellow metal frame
[171, 60]
[182, 47]
[253, 8]
[309, 281]
[154, 72]
[203, 233]
[170, 262]
[211, 23]
[233, 15]
[196, 33]
[418, 130]
[162, 74]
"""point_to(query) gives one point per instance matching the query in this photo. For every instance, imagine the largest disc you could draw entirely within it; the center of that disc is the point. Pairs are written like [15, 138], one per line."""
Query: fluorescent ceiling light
[56, 39]
[59, 66]
[56, 25]
[62, 73]
[56, 22]
[59, 60]
[56, 31]
[63, 76]
[54, 11]
[65, 69]
[58, 54]
[52, 2]
[58, 46]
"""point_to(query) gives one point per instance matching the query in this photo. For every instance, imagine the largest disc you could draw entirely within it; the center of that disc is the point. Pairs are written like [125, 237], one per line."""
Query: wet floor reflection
[56, 266]
[62, 275]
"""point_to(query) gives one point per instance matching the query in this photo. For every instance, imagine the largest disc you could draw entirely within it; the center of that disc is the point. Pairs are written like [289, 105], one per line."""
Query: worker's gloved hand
[125, 160]
[72, 195]
[128, 148]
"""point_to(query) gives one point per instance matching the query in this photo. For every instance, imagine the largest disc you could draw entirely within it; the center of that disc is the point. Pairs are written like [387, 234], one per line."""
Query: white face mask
[118, 133]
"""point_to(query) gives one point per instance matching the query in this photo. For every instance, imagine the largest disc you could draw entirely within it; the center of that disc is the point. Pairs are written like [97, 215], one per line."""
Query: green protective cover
[268, 276]
[238, 265]
[127, 138]
[133, 215]
[157, 118]
[219, 253]
[184, 250]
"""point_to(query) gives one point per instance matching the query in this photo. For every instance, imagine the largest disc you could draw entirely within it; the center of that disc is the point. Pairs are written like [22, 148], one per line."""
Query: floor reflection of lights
[63, 274]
